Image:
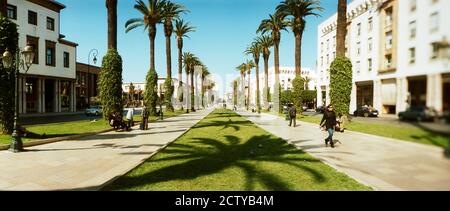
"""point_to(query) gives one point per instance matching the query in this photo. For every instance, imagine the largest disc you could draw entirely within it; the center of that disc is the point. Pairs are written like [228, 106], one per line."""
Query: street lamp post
[93, 52]
[25, 63]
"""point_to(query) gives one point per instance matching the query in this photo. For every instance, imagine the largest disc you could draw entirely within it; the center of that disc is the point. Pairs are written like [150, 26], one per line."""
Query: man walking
[145, 117]
[292, 115]
[130, 115]
[329, 122]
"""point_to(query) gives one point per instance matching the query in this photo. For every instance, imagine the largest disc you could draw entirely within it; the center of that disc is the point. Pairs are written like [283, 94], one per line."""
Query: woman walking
[329, 122]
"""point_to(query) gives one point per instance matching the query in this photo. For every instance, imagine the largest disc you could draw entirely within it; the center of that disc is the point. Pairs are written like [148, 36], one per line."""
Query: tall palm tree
[297, 11]
[242, 69]
[266, 42]
[190, 61]
[341, 28]
[205, 73]
[274, 25]
[152, 14]
[111, 6]
[195, 62]
[171, 11]
[181, 31]
[249, 65]
[187, 61]
[255, 49]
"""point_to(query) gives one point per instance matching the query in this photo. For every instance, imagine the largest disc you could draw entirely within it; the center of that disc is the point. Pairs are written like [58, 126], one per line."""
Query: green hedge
[110, 83]
[151, 91]
[168, 94]
[341, 84]
[299, 87]
[8, 39]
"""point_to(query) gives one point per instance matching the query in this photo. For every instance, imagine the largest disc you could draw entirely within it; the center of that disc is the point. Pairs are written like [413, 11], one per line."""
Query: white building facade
[287, 75]
[398, 50]
[49, 85]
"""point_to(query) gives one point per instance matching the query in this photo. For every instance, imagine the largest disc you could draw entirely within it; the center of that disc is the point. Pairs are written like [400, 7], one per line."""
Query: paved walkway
[89, 163]
[382, 163]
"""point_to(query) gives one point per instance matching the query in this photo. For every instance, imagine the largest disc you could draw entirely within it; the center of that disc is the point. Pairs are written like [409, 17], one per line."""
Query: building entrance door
[364, 94]
[417, 88]
[49, 95]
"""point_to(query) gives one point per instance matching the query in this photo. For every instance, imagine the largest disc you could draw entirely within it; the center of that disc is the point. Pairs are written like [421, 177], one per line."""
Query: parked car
[418, 113]
[320, 109]
[366, 111]
[93, 111]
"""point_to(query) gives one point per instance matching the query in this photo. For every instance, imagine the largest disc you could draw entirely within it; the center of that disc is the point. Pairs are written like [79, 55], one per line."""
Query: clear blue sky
[224, 29]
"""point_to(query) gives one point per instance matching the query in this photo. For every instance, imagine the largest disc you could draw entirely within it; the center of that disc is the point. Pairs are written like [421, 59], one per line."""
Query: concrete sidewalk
[89, 163]
[382, 163]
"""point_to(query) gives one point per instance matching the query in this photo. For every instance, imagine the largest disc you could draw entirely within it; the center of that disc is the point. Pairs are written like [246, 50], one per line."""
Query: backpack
[292, 111]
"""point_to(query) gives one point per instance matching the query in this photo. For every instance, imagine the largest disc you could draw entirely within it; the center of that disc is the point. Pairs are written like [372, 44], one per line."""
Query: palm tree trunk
[187, 89]
[152, 36]
[111, 5]
[341, 28]
[192, 92]
[276, 99]
[258, 102]
[203, 91]
[180, 59]
[298, 54]
[266, 80]
[248, 89]
[169, 89]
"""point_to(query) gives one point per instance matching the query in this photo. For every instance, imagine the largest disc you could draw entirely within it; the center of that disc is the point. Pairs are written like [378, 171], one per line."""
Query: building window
[328, 44]
[359, 29]
[321, 47]
[370, 44]
[32, 17]
[434, 22]
[388, 61]
[321, 61]
[11, 12]
[388, 40]
[369, 63]
[412, 29]
[334, 55]
[358, 48]
[334, 41]
[434, 51]
[34, 42]
[50, 53]
[412, 55]
[50, 24]
[328, 59]
[370, 24]
[66, 59]
[388, 22]
[412, 5]
[358, 66]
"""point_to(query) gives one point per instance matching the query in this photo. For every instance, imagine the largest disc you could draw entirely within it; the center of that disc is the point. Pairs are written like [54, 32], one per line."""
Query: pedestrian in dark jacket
[329, 122]
[145, 115]
[292, 115]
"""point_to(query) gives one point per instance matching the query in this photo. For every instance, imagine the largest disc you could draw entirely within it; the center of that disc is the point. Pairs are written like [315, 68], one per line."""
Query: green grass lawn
[73, 128]
[405, 133]
[226, 152]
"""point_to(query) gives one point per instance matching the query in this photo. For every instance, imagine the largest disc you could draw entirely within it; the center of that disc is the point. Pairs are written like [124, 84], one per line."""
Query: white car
[93, 111]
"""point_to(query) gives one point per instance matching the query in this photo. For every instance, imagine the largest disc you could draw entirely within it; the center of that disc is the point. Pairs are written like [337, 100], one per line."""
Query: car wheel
[366, 115]
[355, 114]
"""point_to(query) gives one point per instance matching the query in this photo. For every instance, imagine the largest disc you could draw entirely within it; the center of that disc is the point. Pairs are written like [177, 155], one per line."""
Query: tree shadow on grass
[205, 156]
